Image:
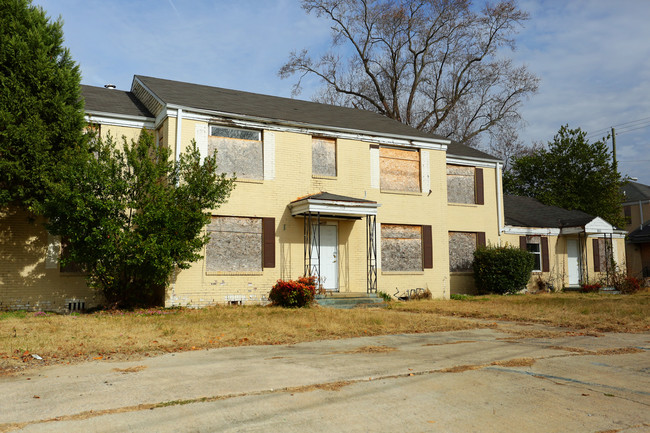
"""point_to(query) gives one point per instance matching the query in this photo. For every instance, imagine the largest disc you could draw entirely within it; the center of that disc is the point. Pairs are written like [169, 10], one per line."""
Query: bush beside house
[502, 270]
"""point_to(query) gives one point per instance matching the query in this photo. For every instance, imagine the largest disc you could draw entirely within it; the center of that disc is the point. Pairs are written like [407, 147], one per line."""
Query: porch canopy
[333, 206]
[324, 205]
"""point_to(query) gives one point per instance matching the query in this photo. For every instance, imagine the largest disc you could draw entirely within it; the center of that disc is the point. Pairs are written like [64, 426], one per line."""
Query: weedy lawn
[27, 336]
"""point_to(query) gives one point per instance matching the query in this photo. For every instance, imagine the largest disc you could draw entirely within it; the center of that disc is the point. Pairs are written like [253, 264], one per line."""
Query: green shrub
[293, 294]
[385, 296]
[502, 269]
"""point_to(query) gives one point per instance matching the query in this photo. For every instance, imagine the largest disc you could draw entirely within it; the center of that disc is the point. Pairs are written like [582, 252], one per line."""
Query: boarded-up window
[399, 169]
[461, 251]
[323, 156]
[401, 247]
[603, 255]
[239, 151]
[460, 184]
[235, 245]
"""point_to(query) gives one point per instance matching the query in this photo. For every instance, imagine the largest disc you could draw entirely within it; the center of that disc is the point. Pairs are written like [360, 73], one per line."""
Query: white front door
[573, 262]
[329, 266]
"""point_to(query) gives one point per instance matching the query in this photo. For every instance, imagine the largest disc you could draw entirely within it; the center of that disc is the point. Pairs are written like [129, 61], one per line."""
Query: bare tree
[432, 64]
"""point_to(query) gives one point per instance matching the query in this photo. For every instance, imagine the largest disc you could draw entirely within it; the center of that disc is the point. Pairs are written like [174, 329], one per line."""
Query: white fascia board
[160, 101]
[114, 119]
[313, 129]
[333, 208]
[572, 230]
[635, 203]
[474, 162]
[530, 231]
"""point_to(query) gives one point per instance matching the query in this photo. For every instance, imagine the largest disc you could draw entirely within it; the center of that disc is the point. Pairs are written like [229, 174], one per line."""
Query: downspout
[641, 215]
[179, 129]
[499, 184]
[177, 157]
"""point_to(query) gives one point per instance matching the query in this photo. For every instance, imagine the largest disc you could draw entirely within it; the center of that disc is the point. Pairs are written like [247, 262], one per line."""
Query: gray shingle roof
[529, 212]
[640, 235]
[112, 101]
[635, 192]
[296, 111]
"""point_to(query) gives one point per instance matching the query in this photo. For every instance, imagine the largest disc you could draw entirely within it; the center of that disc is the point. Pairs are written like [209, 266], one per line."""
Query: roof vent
[110, 86]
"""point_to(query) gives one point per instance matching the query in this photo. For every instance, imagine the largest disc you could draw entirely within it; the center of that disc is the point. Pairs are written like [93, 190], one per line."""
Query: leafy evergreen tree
[41, 111]
[130, 216]
[571, 173]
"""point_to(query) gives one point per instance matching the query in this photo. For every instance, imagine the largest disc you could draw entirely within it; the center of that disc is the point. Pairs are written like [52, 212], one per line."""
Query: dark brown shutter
[545, 264]
[522, 243]
[427, 248]
[480, 196]
[596, 256]
[268, 234]
[480, 239]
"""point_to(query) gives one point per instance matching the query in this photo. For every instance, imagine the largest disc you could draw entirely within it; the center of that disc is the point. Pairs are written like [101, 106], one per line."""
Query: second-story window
[323, 156]
[464, 184]
[239, 151]
[399, 169]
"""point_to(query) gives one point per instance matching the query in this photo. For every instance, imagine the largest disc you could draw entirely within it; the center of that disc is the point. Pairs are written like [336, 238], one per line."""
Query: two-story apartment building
[361, 201]
[636, 208]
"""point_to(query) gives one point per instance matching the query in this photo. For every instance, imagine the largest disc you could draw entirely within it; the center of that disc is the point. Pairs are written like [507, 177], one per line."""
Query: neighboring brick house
[636, 208]
[570, 247]
[362, 201]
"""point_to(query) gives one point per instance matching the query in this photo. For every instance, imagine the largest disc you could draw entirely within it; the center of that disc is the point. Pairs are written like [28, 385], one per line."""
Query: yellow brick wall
[293, 179]
[26, 283]
[475, 218]
[25, 280]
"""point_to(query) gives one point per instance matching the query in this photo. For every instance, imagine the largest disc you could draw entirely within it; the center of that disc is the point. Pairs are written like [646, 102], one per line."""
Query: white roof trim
[530, 231]
[474, 162]
[289, 126]
[114, 119]
[333, 207]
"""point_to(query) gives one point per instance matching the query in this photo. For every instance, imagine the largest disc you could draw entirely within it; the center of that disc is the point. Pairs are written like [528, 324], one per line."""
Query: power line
[626, 129]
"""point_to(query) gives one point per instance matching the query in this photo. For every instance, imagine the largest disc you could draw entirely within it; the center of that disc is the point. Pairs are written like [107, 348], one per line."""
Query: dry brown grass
[590, 312]
[67, 339]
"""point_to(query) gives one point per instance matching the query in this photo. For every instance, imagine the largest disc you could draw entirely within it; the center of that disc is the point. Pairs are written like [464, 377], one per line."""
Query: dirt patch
[451, 342]
[332, 386]
[461, 368]
[569, 349]
[134, 369]
[516, 362]
[368, 349]
[617, 351]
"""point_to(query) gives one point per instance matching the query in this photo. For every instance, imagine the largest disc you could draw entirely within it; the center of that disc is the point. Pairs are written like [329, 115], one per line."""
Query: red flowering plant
[293, 294]
[590, 288]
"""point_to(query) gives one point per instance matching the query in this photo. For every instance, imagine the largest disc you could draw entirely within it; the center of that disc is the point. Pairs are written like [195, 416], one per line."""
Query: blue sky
[593, 56]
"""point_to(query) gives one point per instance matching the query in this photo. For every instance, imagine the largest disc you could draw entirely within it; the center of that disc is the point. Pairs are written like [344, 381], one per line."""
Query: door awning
[333, 205]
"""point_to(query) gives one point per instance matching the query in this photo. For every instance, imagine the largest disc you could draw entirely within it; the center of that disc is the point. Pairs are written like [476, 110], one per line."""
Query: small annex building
[571, 247]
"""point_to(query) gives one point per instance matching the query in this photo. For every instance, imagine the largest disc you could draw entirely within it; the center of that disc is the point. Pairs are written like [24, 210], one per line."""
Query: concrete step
[349, 300]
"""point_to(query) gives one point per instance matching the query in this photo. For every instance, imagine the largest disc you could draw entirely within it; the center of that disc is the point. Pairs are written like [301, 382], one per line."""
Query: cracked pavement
[515, 377]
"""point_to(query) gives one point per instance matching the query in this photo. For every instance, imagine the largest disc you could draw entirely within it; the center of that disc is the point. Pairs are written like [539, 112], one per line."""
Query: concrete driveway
[515, 378]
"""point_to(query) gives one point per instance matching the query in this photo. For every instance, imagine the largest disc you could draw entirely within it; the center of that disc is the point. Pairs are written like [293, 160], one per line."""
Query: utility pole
[614, 148]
